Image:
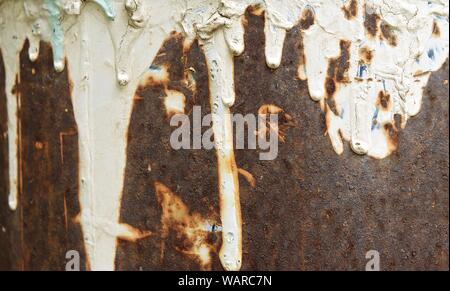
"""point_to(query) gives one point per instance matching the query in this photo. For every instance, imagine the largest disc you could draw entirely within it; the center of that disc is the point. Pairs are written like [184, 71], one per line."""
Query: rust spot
[384, 100]
[338, 68]
[307, 19]
[256, 10]
[371, 23]
[284, 121]
[350, 9]
[436, 30]
[330, 87]
[190, 228]
[337, 73]
[366, 55]
[391, 133]
[387, 33]
[39, 145]
[420, 73]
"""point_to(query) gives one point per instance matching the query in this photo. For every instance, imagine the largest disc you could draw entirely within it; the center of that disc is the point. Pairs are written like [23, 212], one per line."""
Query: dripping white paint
[393, 56]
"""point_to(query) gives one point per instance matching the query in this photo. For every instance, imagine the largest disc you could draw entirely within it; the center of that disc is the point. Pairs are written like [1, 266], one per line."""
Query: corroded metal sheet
[97, 171]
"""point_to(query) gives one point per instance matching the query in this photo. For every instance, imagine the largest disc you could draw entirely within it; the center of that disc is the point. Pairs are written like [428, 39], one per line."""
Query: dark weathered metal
[43, 229]
[310, 209]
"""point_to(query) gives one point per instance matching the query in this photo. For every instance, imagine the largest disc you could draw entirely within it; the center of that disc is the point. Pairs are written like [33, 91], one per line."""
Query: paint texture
[365, 62]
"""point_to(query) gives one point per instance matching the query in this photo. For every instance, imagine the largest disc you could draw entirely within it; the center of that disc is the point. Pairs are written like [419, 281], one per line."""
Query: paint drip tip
[231, 265]
[273, 63]
[59, 66]
[12, 201]
[122, 78]
[360, 147]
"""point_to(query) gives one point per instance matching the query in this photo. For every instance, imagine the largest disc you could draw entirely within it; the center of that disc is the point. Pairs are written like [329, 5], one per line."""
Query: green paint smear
[57, 39]
[57, 33]
[107, 7]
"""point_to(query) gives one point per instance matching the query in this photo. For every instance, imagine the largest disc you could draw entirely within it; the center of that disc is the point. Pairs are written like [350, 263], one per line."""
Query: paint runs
[385, 49]
[353, 53]
[191, 228]
[46, 18]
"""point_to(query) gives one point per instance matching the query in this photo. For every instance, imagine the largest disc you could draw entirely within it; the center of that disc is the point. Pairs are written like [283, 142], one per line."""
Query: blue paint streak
[374, 119]
[154, 68]
[57, 39]
[431, 54]
[362, 69]
[57, 33]
[107, 7]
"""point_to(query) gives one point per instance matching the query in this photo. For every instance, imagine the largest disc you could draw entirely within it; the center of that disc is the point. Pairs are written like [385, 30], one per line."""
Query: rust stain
[66, 224]
[190, 227]
[307, 19]
[366, 55]
[387, 33]
[330, 87]
[62, 135]
[338, 67]
[391, 133]
[284, 122]
[350, 9]
[436, 30]
[384, 101]
[337, 73]
[371, 23]
[421, 73]
[16, 91]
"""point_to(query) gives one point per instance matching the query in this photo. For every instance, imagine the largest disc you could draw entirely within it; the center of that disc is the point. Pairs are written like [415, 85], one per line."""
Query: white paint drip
[103, 109]
[400, 72]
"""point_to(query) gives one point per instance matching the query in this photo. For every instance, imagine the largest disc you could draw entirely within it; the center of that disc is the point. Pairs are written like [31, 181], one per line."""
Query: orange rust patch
[257, 10]
[371, 23]
[338, 67]
[384, 100]
[190, 227]
[330, 87]
[420, 73]
[39, 145]
[436, 30]
[387, 33]
[391, 133]
[350, 9]
[337, 73]
[284, 121]
[366, 55]
[307, 19]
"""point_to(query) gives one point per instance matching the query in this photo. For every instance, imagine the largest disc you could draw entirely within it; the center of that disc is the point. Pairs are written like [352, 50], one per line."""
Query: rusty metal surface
[39, 234]
[310, 209]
